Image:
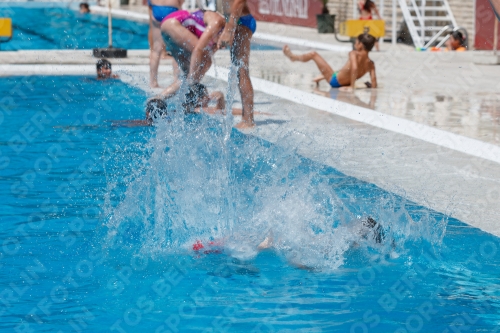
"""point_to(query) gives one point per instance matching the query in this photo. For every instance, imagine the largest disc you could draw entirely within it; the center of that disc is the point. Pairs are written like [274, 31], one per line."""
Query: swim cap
[156, 108]
[196, 92]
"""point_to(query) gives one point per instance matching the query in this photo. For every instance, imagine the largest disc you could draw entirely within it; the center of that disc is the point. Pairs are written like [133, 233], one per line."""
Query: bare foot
[154, 85]
[266, 243]
[245, 124]
[288, 53]
[318, 79]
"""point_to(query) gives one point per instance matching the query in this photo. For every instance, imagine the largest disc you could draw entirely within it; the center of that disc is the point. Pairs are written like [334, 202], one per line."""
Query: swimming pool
[99, 220]
[57, 27]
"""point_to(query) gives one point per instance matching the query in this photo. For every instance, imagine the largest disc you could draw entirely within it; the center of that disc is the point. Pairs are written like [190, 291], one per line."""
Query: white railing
[420, 22]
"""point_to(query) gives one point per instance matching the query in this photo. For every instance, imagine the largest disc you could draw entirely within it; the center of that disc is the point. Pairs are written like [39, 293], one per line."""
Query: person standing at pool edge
[192, 39]
[158, 10]
[240, 27]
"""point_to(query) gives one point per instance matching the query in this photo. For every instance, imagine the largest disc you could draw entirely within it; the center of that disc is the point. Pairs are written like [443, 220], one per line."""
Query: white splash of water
[199, 181]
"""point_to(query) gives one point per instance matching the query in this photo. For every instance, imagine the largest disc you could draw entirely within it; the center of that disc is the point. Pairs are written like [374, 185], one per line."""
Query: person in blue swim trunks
[158, 10]
[356, 66]
[237, 33]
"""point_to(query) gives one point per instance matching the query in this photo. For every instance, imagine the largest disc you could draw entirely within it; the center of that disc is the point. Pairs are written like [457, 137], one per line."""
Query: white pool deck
[431, 132]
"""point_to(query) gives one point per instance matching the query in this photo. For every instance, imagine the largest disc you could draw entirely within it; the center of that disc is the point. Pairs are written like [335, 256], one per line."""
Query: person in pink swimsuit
[192, 38]
[194, 21]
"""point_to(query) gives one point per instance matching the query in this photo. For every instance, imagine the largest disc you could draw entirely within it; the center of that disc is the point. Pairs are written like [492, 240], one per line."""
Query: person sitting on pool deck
[103, 67]
[237, 34]
[158, 10]
[358, 65]
[84, 8]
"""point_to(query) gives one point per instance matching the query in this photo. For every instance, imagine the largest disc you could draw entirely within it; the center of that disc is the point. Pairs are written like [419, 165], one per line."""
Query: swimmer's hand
[226, 38]
[159, 96]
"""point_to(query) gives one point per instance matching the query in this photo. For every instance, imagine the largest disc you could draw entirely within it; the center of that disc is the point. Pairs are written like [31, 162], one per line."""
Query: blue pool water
[48, 28]
[98, 222]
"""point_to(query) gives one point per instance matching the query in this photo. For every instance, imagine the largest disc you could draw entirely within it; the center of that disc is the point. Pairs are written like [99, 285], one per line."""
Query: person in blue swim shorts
[158, 10]
[356, 66]
[237, 33]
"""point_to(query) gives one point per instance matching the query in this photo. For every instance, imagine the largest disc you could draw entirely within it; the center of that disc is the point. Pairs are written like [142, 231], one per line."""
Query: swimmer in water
[369, 229]
[156, 109]
[198, 100]
[104, 72]
[84, 8]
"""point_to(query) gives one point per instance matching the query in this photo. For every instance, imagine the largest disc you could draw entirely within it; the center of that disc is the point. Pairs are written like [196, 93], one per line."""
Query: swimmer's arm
[227, 36]
[373, 76]
[132, 123]
[217, 97]
[353, 69]
[200, 57]
[170, 90]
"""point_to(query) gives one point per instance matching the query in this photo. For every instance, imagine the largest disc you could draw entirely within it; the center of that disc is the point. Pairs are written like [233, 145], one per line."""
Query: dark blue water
[57, 28]
[97, 222]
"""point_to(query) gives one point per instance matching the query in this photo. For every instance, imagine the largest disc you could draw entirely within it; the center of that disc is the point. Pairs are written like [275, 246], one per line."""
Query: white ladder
[424, 18]
[200, 4]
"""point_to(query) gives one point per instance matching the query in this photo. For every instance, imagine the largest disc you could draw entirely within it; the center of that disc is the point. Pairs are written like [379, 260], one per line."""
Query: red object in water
[212, 247]
[197, 246]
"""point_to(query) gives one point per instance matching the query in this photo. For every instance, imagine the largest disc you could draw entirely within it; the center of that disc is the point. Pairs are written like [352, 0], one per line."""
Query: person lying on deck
[358, 65]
